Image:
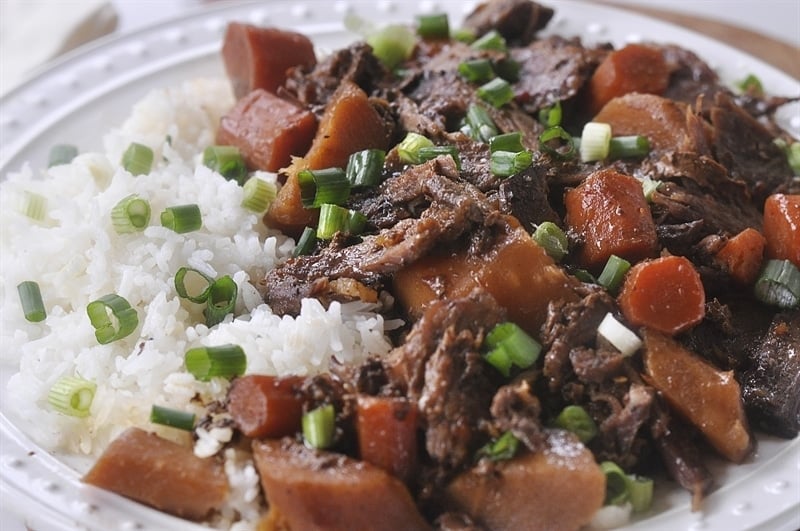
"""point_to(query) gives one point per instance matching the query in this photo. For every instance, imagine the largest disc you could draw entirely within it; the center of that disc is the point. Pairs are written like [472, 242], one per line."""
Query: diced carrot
[782, 227]
[609, 211]
[665, 294]
[634, 68]
[266, 406]
[387, 433]
[742, 255]
[257, 57]
[267, 129]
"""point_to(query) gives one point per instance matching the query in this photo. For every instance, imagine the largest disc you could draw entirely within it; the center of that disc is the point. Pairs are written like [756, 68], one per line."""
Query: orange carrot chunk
[634, 68]
[742, 256]
[782, 227]
[387, 433]
[266, 406]
[267, 129]
[259, 57]
[665, 294]
[611, 214]
[661, 120]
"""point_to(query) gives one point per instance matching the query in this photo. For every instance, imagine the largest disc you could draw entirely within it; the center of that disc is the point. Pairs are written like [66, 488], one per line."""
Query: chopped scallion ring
[258, 194]
[32, 205]
[225, 361]
[408, 148]
[30, 296]
[72, 396]
[333, 219]
[619, 335]
[640, 493]
[779, 284]
[595, 141]
[476, 70]
[491, 40]
[507, 69]
[434, 26]
[508, 345]
[551, 116]
[182, 420]
[556, 134]
[627, 147]
[61, 154]
[431, 152]
[319, 426]
[575, 419]
[227, 161]
[613, 273]
[500, 449]
[393, 44]
[550, 236]
[507, 163]
[365, 168]
[465, 35]
[182, 218]
[480, 125]
[649, 187]
[617, 490]
[193, 285]
[329, 185]
[751, 86]
[131, 214]
[496, 92]
[506, 142]
[137, 159]
[306, 242]
[221, 300]
[112, 318]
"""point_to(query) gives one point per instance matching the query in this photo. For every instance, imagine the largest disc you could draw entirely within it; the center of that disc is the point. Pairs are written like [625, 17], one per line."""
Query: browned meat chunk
[168, 476]
[516, 20]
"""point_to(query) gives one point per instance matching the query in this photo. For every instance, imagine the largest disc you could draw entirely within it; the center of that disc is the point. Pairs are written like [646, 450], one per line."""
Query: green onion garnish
[427, 153]
[317, 187]
[193, 285]
[476, 70]
[507, 163]
[61, 154]
[595, 141]
[491, 40]
[506, 142]
[556, 134]
[137, 159]
[365, 168]
[408, 148]
[508, 345]
[550, 236]
[225, 361]
[227, 161]
[628, 147]
[551, 116]
[613, 273]
[33, 205]
[496, 92]
[221, 300]
[434, 26]
[112, 317]
[507, 69]
[779, 284]
[616, 483]
[575, 419]
[649, 187]
[258, 194]
[306, 242]
[481, 126]
[333, 219]
[619, 335]
[319, 426]
[30, 296]
[751, 86]
[640, 491]
[465, 35]
[182, 218]
[72, 396]
[183, 420]
[792, 152]
[393, 44]
[131, 214]
[500, 449]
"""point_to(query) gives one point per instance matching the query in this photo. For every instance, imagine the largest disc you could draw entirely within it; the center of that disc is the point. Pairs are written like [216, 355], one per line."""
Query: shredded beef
[516, 408]
[516, 20]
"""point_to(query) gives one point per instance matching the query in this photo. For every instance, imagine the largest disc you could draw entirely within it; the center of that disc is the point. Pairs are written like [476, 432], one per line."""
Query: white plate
[82, 96]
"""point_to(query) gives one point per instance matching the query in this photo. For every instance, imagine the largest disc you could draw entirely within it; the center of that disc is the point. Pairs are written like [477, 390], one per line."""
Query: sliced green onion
[112, 318]
[506, 142]
[476, 70]
[575, 419]
[491, 40]
[434, 26]
[550, 236]
[227, 161]
[137, 159]
[258, 194]
[640, 493]
[329, 185]
[584, 276]
[131, 214]
[306, 242]
[182, 218]
[427, 153]
[628, 147]
[193, 285]
[566, 144]
[72, 396]
[507, 69]
[61, 154]
[496, 92]
[333, 219]
[365, 168]
[500, 449]
[779, 284]
[319, 426]
[175, 418]
[221, 300]
[33, 205]
[30, 296]
[595, 141]
[408, 148]
[508, 344]
[481, 126]
[225, 361]
[616, 483]
[507, 163]
[619, 335]
[792, 152]
[613, 273]
[751, 85]
[465, 35]
[551, 116]
[393, 44]
[649, 187]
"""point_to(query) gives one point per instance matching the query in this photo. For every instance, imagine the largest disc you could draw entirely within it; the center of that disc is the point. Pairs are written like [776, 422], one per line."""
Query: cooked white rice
[75, 256]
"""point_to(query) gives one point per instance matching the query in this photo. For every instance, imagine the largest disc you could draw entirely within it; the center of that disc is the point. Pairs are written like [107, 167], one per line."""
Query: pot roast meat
[517, 21]
[516, 408]
[771, 388]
